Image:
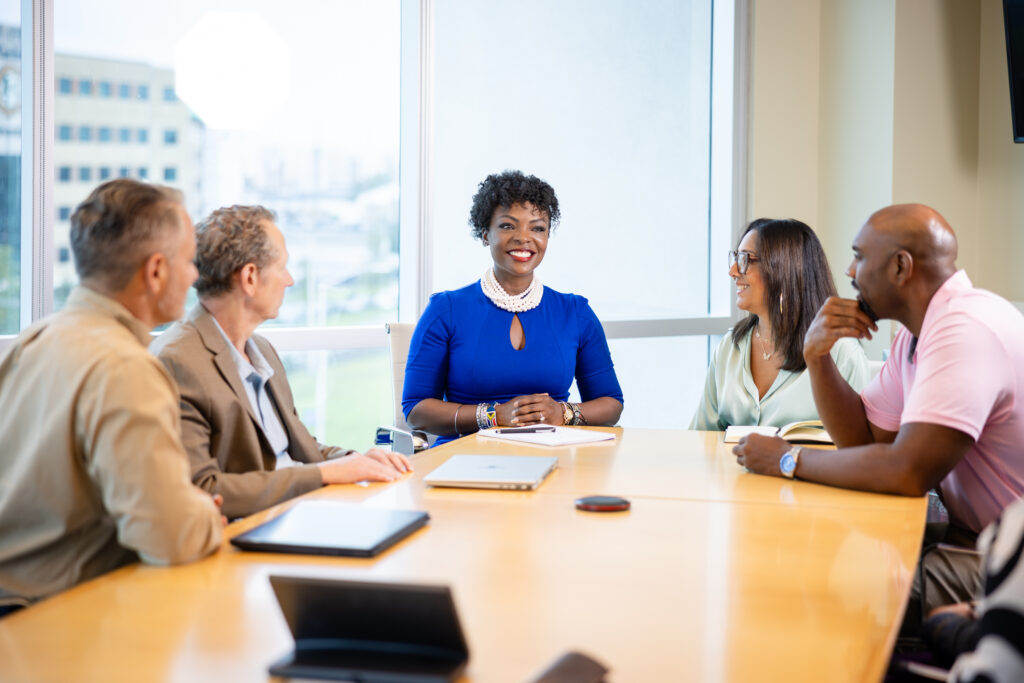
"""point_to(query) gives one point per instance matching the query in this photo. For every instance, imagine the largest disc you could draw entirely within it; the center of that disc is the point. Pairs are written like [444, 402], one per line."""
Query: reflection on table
[714, 574]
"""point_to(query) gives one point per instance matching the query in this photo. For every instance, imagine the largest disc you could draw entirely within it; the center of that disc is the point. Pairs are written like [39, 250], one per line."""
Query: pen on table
[525, 430]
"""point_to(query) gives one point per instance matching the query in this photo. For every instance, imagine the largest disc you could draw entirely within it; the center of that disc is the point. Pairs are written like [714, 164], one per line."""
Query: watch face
[787, 464]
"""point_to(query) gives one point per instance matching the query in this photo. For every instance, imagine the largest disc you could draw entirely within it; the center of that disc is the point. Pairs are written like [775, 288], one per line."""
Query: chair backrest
[399, 336]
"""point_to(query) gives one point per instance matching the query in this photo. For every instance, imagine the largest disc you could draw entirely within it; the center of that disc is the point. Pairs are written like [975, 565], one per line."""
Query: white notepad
[561, 436]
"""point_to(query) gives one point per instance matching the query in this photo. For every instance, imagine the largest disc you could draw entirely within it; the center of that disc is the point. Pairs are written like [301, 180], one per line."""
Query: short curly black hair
[506, 189]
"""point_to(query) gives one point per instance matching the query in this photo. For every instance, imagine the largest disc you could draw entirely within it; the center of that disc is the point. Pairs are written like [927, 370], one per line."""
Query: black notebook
[323, 527]
[379, 632]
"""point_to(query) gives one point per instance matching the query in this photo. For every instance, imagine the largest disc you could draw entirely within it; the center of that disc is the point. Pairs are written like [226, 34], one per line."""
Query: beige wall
[1000, 167]
[935, 150]
[855, 104]
[784, 117]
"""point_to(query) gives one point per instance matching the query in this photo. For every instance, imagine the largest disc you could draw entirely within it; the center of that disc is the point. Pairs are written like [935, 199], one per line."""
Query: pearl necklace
[514, 303]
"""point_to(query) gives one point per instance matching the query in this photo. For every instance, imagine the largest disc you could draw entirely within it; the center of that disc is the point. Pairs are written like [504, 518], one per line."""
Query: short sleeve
[595, 373]
[883, 396]
[426, 369]
[706, 416]
[960, 376]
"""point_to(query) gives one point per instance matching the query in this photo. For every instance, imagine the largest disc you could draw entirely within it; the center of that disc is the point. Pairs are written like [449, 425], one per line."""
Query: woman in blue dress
[504, 350]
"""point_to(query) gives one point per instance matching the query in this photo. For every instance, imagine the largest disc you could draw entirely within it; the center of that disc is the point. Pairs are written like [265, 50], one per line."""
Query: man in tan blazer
[238, 419]
[92, 469]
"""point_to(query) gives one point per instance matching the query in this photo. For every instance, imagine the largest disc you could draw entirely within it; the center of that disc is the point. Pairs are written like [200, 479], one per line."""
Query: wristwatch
[788, 462]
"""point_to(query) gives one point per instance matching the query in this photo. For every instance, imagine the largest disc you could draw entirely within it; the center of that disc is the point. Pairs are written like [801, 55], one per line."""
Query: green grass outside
[358, 394]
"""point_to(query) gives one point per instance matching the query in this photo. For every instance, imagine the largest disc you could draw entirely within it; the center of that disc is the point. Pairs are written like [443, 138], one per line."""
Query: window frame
[726, 206]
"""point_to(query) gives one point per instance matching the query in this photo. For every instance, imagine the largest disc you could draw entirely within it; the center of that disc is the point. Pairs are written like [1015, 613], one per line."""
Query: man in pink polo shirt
[947, 410]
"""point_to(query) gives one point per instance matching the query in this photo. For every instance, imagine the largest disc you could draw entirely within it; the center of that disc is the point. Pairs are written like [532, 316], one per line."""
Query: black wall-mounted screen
[1013, 16]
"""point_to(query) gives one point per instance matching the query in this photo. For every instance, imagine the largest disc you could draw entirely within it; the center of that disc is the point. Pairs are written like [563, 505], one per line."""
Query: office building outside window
[106, 89]
[85, 88]
[170, 137]
[84, 133]
[170, 174]
[142, 92]
[124, 135]
[142, 135]
[169, 95]
[85, 174]
[105, 173]
[64, 132]
[64, 86]
[64, 174]
[104, 134]
[124, 91]
[143, 173]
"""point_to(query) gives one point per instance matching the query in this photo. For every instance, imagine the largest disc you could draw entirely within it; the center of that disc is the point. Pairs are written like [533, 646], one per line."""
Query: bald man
[947, 409]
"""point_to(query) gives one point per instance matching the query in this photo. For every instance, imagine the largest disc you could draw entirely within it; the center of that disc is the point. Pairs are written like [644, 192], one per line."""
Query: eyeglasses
[742, 260]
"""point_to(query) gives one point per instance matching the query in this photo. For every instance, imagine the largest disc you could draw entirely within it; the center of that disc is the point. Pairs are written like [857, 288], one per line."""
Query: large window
[257, 105]
[613, 106]
[625, 106]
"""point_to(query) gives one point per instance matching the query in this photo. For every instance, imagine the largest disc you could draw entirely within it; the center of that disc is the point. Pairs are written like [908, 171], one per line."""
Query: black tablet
[372, 632]
[324, 527]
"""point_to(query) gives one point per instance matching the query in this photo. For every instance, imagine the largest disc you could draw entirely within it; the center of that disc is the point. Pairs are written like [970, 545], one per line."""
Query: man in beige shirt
[239, 424]
[93, 473]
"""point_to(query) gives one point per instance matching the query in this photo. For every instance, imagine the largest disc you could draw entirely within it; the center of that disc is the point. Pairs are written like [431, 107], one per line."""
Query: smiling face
[517, 237]
[750, 287]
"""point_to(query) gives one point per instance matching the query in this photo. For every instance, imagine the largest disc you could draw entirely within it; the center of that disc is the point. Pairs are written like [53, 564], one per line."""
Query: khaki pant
[948, 572]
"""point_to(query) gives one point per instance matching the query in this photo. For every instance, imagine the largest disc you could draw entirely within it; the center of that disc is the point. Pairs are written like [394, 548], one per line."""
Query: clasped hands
[529, 410]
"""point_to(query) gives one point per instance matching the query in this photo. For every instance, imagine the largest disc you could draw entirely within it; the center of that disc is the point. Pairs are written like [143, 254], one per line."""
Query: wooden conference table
[715, 574]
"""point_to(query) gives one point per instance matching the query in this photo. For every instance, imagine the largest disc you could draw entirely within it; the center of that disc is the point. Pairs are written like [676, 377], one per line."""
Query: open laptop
[361, 631]
[323, 527]
[515, 472]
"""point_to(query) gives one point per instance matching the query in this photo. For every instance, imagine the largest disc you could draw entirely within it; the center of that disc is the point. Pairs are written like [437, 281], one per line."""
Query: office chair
[398, 434]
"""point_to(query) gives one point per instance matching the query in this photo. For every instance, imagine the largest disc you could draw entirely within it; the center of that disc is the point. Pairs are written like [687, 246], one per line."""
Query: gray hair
[119, 225]
[228, 239]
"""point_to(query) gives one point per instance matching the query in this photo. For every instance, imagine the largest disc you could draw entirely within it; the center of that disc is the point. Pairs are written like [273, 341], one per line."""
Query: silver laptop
[516, 472]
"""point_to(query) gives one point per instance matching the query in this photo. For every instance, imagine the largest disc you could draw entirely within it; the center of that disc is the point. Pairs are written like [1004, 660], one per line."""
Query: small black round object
[602, 504]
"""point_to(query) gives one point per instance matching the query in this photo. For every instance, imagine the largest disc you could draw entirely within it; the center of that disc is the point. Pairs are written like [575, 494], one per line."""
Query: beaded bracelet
[577, 414]
[486, 415]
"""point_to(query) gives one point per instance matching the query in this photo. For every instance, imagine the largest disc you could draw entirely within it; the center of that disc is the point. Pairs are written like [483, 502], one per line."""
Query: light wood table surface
[715, 574]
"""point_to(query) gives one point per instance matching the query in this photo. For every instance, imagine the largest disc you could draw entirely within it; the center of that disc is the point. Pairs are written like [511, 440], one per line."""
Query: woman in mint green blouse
[757, 374]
